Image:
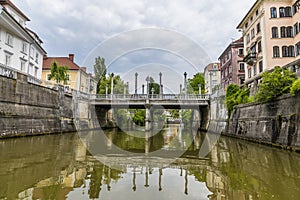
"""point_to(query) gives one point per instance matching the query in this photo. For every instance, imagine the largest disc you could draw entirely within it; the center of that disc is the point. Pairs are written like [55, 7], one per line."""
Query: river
[112, 164]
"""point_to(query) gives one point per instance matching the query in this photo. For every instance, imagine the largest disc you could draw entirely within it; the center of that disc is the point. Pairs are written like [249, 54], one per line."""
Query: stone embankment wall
[275, 123]
[218, 114]
[29, 109]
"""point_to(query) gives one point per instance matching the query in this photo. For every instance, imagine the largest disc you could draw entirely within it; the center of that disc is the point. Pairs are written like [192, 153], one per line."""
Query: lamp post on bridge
[180, 88]
[106, 91]
[112, 85]
[143, 89]
[135, 86]
[148, 79]
[199, 86]
[185, 85]
[160, 84]
[152, 92]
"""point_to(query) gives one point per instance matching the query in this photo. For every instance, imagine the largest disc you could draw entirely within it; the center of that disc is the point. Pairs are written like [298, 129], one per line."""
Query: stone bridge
[85, 104]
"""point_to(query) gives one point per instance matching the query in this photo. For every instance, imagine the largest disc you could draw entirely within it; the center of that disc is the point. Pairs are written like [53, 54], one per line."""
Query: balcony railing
[8, 71]
[250, 58]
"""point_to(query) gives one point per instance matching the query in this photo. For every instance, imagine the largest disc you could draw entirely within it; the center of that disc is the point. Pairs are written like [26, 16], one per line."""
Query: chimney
[71, 57]
[83, 69]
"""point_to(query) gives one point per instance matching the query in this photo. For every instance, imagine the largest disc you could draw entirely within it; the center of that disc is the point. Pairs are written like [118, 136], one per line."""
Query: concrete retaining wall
[275, 123]
[29, 109]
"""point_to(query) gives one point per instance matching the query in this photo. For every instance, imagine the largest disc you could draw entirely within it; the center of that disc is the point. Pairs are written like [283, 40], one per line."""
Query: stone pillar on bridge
[136, 84]
[160, 84]
[185, 85]
[143, 89]
[148, 119]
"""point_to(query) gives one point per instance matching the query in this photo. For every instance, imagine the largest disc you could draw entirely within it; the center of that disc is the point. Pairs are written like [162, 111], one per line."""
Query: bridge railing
[150, 97]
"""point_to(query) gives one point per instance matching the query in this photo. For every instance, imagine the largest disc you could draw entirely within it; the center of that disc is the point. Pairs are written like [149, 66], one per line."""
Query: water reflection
[60, 167]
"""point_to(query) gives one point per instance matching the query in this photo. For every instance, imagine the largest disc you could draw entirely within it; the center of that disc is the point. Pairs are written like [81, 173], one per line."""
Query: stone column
[160, 83]
[185, 84]
[148, 119]
[143, 89]
[112, 85]
[135, 86]
[196, 119]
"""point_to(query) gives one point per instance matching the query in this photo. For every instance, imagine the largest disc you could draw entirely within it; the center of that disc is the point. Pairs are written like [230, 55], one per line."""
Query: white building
[212, 77]
[20, 48]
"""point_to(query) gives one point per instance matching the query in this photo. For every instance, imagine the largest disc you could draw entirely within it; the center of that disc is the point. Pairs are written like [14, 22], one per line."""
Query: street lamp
[152, 92]
[185, 84]
[147, 79]
[199, 86]
[135, 88]
[112, 84]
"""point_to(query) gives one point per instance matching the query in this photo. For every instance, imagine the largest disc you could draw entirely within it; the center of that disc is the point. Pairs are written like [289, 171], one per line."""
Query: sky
[144, 36]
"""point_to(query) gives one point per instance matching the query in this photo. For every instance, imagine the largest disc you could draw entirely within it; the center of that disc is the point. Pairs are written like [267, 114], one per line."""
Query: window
[291, 51]
[31, 52]
[241, 52]
[252, 33]
[68, 76]
[288, 11]
[256, 12]
[260, 66]
[246, 25]
[253, 49]
[283, 32]
[289, 31]
[35, 71]
[9, 39]
[273, 12]
[241, 80]
[242, 67]
[297, 49]
[230, 69]
[36, 57]
[30, 68]
[296, 28]
[23, 66]
[281, 12]
[48, 77]
[259, 46]
[249, 73]
[276, 53]
[295, 9]
[248, 38]
[274, 32]
[258, 27]
[254, 70]
[284, 51]
[7, 59]
[24, 47]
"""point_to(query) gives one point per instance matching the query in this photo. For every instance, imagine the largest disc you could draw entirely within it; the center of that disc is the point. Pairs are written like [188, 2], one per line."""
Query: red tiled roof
[8, 2]
[61, 61]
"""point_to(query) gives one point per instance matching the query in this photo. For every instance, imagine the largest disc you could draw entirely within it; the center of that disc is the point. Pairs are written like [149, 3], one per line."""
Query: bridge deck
[167, 101]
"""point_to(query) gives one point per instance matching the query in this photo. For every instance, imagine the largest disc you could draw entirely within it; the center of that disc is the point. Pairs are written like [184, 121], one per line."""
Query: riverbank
[275, 123]
[30, 109]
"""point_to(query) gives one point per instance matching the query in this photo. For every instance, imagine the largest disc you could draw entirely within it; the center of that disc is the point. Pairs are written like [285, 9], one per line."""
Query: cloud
[78, 27]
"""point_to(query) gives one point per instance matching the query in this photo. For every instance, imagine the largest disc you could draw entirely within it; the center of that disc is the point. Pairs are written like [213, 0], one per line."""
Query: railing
[134, 97]
[33, 80]
[8, 71]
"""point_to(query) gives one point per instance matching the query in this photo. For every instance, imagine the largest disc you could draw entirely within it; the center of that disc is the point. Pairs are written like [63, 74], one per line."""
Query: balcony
[250, 58]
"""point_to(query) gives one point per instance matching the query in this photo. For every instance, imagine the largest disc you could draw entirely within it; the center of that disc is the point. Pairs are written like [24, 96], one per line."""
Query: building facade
[212, 77]
[78, 78]
[231, 64]
[20, 47]
[271, 36]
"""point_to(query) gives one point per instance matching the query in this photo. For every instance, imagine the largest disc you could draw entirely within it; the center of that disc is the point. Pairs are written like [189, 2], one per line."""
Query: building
[271, 36]
[78, 77]
[20, 47]
[231, 64]
[212, 77]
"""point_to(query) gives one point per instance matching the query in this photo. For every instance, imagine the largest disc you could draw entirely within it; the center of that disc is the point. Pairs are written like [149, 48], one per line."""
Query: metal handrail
[134, 97]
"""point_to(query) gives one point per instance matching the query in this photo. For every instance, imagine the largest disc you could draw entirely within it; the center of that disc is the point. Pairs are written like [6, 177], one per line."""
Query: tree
[99, 70]
[59, 73]
[295, 89]
[153, 85]
[106, 80]
[193, 84]
[274, 84]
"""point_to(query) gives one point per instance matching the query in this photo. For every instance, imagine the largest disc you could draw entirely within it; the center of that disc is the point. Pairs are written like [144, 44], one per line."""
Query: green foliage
[274, 84]
[100, 71]
[59, 73]
[139, 117]
[236, 96]
[106, 80]
[153, 85]
[193, 84]
[295, 87]
[174, 113]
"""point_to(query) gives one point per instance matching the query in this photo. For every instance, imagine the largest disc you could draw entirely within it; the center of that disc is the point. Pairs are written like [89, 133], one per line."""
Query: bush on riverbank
[295, 87]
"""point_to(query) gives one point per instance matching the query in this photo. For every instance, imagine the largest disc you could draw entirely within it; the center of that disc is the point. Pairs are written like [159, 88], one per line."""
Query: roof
[13, 6]
[62, 61]
[237, 43]
[209, 67]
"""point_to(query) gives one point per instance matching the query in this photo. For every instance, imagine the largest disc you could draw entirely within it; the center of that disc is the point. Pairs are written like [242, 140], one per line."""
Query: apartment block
[212, 77]
[271, 36]
[231, 64]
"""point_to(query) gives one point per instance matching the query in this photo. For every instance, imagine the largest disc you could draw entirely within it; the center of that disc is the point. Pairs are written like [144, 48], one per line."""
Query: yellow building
[271, 36]
[78, 77]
